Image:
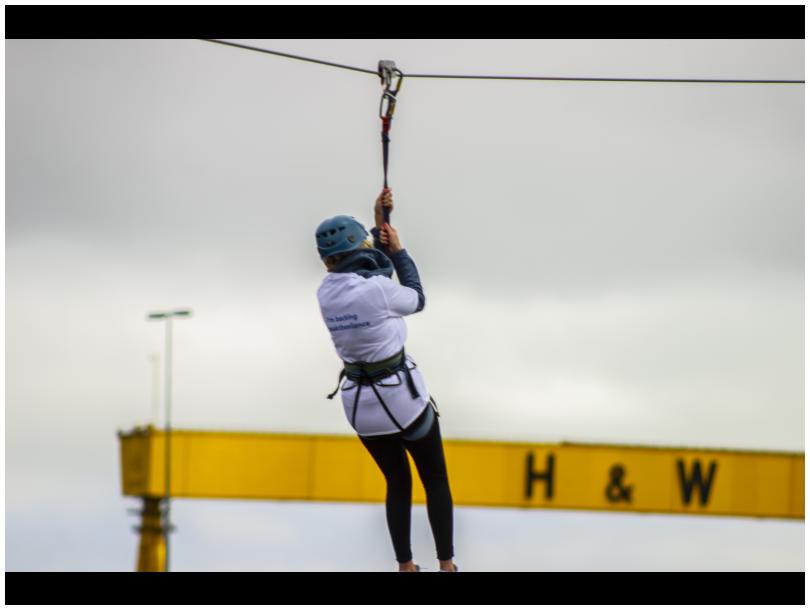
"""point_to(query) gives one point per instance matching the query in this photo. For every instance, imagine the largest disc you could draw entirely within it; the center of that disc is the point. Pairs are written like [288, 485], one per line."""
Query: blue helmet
[339, 234]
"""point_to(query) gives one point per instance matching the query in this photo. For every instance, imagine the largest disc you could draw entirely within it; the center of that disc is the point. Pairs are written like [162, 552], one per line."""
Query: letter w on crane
[696, 479]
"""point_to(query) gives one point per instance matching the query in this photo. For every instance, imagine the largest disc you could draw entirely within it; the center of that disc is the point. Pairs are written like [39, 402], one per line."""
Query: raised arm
[403, 264]
[386, 239]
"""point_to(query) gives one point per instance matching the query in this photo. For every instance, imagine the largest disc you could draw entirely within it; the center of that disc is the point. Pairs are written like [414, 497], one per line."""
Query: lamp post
[154, 360]
[168, 316]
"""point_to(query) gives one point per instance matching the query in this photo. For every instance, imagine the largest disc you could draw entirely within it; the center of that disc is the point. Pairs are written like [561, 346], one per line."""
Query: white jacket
[365, 319]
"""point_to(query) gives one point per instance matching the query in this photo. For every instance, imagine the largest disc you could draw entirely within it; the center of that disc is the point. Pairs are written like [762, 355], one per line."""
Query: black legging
[389, 453]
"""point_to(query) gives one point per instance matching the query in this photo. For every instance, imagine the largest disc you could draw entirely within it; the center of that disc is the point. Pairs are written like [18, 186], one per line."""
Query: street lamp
[168, 316]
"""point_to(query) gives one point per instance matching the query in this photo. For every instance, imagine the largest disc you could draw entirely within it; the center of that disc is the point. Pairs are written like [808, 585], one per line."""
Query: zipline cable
[608, 80]
[526, 78]
[289, 55]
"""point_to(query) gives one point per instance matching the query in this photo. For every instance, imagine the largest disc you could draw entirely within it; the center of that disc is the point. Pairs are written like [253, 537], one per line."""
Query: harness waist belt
[358, 371]
[366, 373]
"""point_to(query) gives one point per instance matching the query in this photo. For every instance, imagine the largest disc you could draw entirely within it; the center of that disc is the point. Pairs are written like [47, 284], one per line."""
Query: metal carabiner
[399, 75]
[389, 75]
[387, 110]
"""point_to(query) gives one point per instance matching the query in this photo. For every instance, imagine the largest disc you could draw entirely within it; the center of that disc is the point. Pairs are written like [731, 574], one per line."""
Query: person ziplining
[384, 395]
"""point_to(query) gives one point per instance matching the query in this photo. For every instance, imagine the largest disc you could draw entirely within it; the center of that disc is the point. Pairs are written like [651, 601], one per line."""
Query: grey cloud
[620, 263]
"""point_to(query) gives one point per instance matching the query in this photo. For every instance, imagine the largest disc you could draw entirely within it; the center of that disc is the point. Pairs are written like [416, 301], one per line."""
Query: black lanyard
[391, 80]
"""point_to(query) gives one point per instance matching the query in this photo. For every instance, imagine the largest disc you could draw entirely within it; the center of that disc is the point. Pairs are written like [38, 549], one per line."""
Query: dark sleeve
[408, 275]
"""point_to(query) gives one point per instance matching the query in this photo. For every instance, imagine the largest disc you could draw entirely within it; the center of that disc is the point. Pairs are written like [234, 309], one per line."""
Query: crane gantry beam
[273, 466]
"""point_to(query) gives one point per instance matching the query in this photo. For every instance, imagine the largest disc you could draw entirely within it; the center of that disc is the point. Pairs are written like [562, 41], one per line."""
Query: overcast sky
[602, 262]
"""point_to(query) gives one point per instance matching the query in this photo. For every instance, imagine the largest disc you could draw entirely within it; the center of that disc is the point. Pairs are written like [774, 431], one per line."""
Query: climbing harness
[391, 80]
[369, 373]
[423, 424]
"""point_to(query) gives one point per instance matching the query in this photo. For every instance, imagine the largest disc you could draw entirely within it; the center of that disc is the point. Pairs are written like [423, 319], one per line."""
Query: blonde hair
[332, 261]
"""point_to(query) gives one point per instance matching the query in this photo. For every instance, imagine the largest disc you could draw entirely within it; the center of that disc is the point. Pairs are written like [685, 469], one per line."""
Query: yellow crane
[272, 466]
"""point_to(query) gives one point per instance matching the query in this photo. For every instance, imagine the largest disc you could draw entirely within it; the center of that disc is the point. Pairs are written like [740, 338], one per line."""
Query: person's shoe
[455, 569]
